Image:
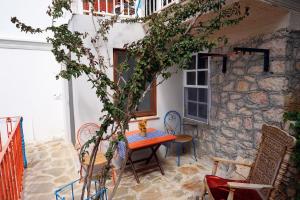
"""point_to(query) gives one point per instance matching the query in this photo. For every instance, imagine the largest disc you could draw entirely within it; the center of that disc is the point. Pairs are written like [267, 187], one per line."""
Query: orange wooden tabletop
[147, 142]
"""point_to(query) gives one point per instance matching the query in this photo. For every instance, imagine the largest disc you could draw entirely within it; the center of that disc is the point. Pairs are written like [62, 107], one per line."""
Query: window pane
[202, 95]
[145, 104]
[202, 77]
[192, 109]
[202, 62]
[191, 78]
[192, 94]
[192, 64]
[202, 111]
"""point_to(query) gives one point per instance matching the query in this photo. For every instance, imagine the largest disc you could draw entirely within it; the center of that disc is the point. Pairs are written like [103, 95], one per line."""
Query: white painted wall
[28, 88]
[27, 72]
[86, 105]
[32, 12]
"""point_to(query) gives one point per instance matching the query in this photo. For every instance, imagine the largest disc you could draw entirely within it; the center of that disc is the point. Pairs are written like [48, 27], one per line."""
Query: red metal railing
[11, 160]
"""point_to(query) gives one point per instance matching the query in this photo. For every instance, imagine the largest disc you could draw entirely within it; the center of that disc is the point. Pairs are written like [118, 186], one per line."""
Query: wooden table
[152, 141]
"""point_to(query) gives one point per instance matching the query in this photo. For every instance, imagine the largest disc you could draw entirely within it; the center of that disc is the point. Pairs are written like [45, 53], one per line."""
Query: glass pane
[202, 111]
[202, 95]
[192, 94]
[202, 77]
[164, 2]
[192, 64]
[202, 62]
[192, 109]
[145, 104]
[191, 78]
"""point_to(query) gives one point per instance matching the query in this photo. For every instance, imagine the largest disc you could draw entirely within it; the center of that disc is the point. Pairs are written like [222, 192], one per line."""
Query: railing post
[23, 143]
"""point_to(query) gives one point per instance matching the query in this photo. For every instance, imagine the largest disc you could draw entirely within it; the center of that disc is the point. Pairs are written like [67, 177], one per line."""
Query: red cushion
[219, 189]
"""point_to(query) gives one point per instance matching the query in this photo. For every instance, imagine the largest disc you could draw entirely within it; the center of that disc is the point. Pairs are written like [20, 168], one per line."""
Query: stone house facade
[245, 97]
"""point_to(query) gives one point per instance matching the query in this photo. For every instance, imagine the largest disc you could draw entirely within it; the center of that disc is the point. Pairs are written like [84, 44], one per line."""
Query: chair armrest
[216, 159]
[235, 185]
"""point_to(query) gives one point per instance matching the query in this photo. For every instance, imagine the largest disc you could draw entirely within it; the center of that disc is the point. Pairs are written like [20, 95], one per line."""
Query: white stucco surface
[29, 89]
[28, 69]
[87, 107]
[32, 12]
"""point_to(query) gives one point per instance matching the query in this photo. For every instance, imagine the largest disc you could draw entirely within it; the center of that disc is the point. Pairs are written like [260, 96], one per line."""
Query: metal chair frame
[175, 131]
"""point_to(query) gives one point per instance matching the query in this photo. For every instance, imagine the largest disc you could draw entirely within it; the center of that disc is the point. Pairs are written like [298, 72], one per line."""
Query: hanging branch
[168, 42]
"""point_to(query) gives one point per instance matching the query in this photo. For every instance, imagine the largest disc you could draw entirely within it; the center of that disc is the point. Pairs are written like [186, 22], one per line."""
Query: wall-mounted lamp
[266, 53]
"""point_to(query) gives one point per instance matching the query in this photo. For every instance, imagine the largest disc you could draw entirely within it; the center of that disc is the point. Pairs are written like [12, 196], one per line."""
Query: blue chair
[173, 125]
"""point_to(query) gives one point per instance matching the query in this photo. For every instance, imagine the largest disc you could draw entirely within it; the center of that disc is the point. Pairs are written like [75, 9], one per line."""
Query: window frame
[208, 87]
[153, 95]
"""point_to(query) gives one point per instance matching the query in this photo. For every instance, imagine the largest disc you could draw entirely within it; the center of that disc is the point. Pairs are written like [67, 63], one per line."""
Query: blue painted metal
[173, 125]
[23, 144]
[138, 7]
[99, 194]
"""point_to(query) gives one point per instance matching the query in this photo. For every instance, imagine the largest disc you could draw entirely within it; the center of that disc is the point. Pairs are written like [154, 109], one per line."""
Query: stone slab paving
[50, 165]
[178, 183]
[54, 163]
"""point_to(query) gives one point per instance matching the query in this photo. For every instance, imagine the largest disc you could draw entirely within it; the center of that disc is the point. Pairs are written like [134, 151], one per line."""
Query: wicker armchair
[266, 172]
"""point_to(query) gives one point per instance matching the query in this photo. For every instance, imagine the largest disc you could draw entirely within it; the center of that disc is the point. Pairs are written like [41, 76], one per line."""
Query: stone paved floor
[50, 165]
[53, 164]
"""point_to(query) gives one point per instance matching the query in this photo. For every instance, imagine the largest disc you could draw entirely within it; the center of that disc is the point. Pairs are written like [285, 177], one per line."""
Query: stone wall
[246, 97]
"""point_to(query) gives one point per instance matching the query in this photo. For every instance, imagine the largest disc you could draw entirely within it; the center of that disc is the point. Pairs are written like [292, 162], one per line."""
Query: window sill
[149, 118]
[187, 119]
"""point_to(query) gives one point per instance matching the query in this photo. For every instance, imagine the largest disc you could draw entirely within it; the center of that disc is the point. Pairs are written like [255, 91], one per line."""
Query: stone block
[255, 70]
[245, 111]
[235, 96]
[253, 87]
[229, 87]
[229, 150]
[277, 100]
[274, 115]
[260, 98]
[222, 140]
[277, 67]
[273, 83]
[231, 107]
[258, 125]
[238, 71]
[249, 78]
[215, 98]
[245, 136]
[235, 123]
[221, 115]
[258, 117]
[277, 47]
[248, 123]
[242, 86]
[246, 145]
[238, 63]
[227, 132]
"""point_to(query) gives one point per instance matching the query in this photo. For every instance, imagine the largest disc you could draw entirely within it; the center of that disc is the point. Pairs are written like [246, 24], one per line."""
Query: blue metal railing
[99, 194]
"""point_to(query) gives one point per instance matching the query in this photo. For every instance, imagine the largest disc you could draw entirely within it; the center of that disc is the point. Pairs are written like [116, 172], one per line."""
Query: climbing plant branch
[170, 40]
